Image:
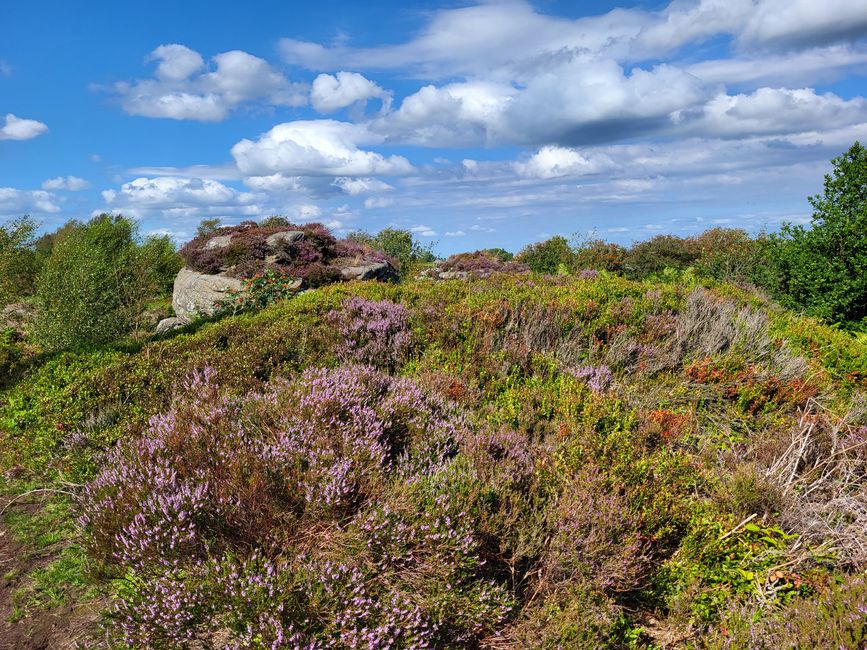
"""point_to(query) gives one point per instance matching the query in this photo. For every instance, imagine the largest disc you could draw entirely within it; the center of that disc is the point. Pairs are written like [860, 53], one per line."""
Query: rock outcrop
[197, 294]
[249, 250]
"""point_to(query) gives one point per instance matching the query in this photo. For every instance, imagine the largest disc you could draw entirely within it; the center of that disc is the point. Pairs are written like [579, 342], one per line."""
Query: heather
[520, 461]
[244, 251]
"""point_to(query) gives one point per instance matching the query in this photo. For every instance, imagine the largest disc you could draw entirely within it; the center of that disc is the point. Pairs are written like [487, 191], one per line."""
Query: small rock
[382, 271]
[169, 324]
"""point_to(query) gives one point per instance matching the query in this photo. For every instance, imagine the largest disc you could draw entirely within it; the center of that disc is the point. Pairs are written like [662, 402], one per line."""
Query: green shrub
[93, 286]
[726, 254]
[549, 256]
[653, 256]
[600, 255]
[19, 262]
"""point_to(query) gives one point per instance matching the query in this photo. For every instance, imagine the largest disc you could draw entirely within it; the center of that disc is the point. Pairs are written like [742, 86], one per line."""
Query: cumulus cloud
[185, 88]
[70, 183]
[17, 128]
[772, 111]
[330, 93]
[556, 162]
[15, 202]
[316, 148]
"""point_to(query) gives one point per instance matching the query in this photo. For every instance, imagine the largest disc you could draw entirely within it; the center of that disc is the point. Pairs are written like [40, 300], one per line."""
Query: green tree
[207, 227]
[823, 269]
[19, 263]
[94, 285]
[550, 256]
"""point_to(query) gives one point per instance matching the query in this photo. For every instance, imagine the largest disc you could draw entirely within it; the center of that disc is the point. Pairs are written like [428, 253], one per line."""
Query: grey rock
[284, 238]
[221, 241]
[197, 294]
[367, 270]
[169, 324]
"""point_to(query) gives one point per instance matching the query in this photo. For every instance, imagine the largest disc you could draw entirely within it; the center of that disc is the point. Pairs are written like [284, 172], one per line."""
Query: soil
[63, 628]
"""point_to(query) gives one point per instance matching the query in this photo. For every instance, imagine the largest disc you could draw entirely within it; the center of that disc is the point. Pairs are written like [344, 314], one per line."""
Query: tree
[18, 260]
[94, 285]
[207, 227]
[823, 270]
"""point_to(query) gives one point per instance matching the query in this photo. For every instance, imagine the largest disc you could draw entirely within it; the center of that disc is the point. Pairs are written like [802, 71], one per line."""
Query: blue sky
[474, 124]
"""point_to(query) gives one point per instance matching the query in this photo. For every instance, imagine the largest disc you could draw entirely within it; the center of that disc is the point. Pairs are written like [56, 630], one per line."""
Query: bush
[600, 255]
[823, 270]
[94, 285]
[726, 254]
[550, 256]
[653, 256]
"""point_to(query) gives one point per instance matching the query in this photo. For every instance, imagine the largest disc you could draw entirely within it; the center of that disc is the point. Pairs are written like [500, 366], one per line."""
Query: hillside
[521, 461]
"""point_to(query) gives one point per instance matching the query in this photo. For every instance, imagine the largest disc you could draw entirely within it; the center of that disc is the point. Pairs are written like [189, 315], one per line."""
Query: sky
[472, 124]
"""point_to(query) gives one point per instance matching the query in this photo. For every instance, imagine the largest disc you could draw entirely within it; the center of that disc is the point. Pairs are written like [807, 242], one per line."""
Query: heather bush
[216, 476]
[373, 332]
[246, 251]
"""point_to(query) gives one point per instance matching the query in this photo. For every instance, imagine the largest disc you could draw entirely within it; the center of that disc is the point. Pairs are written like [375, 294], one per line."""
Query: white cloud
[330, 93]
[14, 202]
[316, 148]
[799, 22]
[423, 231]
[355, 186]
[184, 88]
[773, 111]
[5, 69]
[377, 202]
[797, 68]
[173, 192]
[17, 128]
[455, 233]
[556, 162]
[71, 183]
